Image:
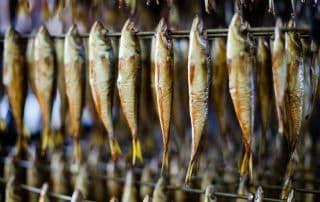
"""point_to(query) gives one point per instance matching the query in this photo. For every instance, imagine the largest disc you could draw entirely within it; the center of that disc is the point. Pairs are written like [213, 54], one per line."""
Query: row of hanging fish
[295, 82]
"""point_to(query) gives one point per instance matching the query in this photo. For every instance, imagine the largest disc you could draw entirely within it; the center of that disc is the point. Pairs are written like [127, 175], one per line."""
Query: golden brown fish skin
[219, 84]
[240, 61]
[198, 85]
[30, 63]
[15, 81]
[44, 74]
[128, 81]
[279, 74]
[295, 89]
[61, 84]
[130, 193]
[164, 86]
[74, 61]
[160, 194]
[264, 83]
[102, 80]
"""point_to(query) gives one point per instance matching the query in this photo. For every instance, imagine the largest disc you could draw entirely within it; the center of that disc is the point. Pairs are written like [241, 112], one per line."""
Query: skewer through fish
[241, 61]
[45, 74]
[164, 86]
[102, 80]
[198, 85]
[15, 81]
[74, 60]
[128, 81]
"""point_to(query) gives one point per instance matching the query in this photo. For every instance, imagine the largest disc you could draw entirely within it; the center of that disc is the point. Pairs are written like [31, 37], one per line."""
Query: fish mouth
[73, 30]
[10, 33]
[197, 24]
[240, 25]
[162, 26]
[130, 26]
[99, 28]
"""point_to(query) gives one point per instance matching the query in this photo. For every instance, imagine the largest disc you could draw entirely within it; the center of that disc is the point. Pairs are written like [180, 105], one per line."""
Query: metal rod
[211, 33]
[38, 191]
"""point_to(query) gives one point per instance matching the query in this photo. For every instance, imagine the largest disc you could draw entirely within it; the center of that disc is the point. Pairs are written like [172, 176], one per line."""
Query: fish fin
[45, 13]
[165, 161]
[76, 149]
[137, 154]
[23, 6]
[44, 141]
[114, 148]
[245, 163]
[189, 172]
[3, 125]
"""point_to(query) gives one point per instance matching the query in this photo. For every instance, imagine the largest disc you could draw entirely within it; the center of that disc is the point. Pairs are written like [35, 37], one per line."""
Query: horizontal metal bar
[38, 191]
[211, 33]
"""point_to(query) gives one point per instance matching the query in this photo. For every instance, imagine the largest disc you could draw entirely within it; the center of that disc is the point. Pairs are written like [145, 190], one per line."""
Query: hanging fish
[164, 86]
[82, 182]
[60, 177]
[15, 81]
[129, 191]
[59, 49]
[160, 194]
[77, 196]
[259, 195]
[74, 60]
[219, 84]
[102, 77]
[12, 193]
[128, 81]
[295, 89]
[198, 85]
[264, 88]
[44, 74]
[315, 70]
[44, 193]
[241, 61]
[279, 74]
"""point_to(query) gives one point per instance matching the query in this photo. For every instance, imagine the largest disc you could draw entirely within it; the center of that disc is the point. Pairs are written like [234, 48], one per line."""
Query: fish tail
[245, 163]
[45, 141]
[45, 10]
[165, 161]
[76, 149]
[189, 171]
[114, 148]
[21, 144]
[23, 7]
[137, 154]
[3, 125]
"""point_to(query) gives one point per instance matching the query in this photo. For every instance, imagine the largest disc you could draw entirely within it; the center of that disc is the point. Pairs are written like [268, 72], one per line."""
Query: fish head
[163, 35]
[43, 36]
[12, 36]
[73, 36]
[129, 29]
[197, 24]
[239, 25]
[98, 30]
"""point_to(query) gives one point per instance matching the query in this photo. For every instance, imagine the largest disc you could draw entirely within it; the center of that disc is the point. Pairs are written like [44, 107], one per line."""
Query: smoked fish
[45, 79]
[130, 193]
[240, 62]
[279, 74]
[102, 80]
[164, 86]
[198, 87]
[295, 89]
[128, 82]
[15, 81]
[74, 61]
